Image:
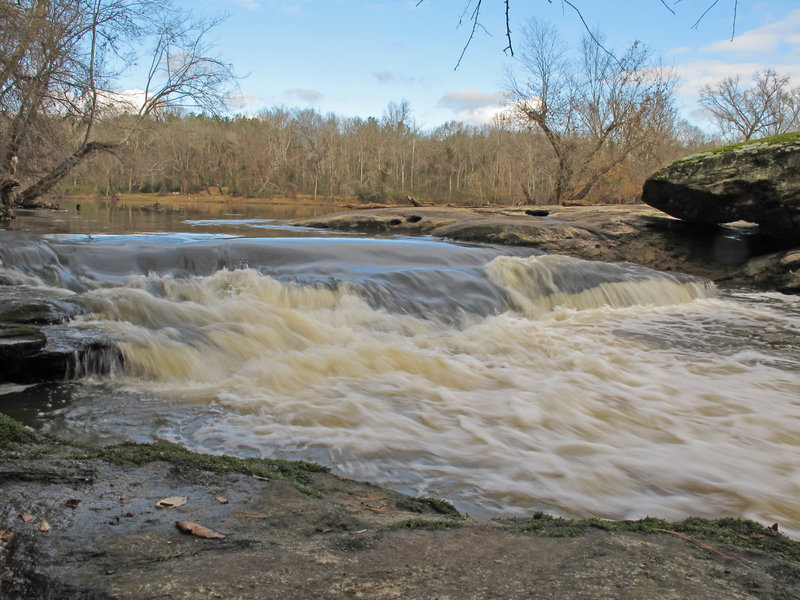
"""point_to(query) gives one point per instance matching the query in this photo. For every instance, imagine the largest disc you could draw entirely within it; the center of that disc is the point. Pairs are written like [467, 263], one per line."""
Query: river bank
[84, 523]
[734, 255]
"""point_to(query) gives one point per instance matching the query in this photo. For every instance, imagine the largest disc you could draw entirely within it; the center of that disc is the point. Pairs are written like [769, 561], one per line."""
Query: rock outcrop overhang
[756, 181]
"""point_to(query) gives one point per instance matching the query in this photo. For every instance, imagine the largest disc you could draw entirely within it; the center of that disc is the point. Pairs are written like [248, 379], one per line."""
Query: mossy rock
[13, 433]
[782, 138]
[423, 503]
[734, 532]
[756, 181]
[298, 473]
[427, 524]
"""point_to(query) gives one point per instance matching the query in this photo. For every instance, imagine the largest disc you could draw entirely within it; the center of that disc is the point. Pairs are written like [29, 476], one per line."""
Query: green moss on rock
[13, 433]
[427, 524]
[734, 532]
[417, 505]
[782, 138]
[298, 472]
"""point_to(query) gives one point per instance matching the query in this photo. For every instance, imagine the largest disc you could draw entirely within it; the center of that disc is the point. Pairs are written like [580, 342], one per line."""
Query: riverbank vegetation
[290, 152]
[68, 124]
[584, 123]
[302, 153]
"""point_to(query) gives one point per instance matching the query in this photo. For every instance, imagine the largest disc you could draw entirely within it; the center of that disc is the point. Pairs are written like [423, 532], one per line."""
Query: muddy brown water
[503, 380]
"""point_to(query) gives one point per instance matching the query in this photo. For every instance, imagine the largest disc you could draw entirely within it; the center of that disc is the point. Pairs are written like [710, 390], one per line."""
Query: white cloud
[473, 106]
[126, 101]
[306, 95]
[480, 116]
[292, 7]
[392, 77]
[779, 36]
[471, 99]
[240, 100]
[695, 74]
[248, 4]
[679, 51]
[775, 45]
[384, 76]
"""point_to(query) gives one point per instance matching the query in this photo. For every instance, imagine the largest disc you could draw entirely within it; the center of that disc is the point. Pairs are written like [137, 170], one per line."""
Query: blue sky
[353, 57]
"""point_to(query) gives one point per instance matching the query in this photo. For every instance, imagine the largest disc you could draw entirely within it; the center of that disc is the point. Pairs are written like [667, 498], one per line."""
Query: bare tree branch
[705, 12]
[510, 47]
[476, 24]
[475, 19]
[59, 61]
[595, 110]
[768, 107]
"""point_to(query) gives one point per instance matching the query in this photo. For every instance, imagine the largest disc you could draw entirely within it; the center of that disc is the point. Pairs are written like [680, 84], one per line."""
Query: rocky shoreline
[734, 255]
[83, 523]
[156, 521]
[36, 345]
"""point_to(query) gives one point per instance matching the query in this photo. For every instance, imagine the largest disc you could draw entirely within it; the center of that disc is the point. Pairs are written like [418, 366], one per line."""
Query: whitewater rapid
[503, 380]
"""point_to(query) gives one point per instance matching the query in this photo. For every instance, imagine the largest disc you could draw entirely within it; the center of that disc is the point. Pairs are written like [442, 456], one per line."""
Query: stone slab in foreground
[78, 523]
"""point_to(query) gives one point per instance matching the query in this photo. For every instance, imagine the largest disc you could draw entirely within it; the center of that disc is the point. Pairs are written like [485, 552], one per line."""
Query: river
[501, 379]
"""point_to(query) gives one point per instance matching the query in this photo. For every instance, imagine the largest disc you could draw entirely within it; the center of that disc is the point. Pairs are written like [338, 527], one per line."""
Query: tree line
[289, 152]
[583, 124]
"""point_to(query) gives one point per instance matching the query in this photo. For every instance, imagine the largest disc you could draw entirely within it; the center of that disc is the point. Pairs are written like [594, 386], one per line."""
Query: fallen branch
[362, 504]
[706, 546]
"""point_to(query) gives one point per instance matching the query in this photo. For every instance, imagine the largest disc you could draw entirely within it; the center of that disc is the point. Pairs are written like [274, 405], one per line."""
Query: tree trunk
[46, 183]
[7, 186]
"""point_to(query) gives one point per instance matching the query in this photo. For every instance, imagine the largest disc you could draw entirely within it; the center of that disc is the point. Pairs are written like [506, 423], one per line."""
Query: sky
[353, 57]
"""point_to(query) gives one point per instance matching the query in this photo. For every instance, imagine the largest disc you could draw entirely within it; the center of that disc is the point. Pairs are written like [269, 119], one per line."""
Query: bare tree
[59, 63]
[768, 107]
[595, 110]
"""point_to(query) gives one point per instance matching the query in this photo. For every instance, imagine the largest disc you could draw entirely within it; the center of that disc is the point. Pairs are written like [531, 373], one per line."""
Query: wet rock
[42, 312]
[19, 341]
[756, 181]
[735, 255]
[322, 535]
[38, 344]
[779, 271]
[65, 354]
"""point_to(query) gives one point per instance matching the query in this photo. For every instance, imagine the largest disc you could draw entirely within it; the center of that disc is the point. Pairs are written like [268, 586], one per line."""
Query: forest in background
[582, 124]
[290, 152]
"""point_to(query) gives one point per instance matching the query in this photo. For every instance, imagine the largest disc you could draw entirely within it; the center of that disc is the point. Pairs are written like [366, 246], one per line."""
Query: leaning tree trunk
[27, 196]
[7, 186]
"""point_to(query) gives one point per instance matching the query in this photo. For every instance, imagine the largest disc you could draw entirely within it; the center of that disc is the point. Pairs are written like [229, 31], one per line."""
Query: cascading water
[500, 379]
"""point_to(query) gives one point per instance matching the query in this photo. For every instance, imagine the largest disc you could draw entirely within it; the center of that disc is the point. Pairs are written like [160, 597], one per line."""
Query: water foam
[507, 384]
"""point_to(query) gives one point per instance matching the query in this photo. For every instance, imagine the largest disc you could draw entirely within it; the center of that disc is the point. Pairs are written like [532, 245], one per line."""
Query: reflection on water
[168, 214]
[502, 380]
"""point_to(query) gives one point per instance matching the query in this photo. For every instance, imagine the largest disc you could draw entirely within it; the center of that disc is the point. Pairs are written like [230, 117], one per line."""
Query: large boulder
[756, 181]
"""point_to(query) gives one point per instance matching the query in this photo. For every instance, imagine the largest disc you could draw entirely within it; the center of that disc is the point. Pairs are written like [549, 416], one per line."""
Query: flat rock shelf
[84, 523]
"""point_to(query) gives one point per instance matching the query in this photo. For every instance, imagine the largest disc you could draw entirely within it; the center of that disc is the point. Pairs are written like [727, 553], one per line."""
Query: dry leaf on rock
[198, 530]
[44, 526]
[222, 500]
[71, 503]
[172, 502]
[5, 534]
[26, 518]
